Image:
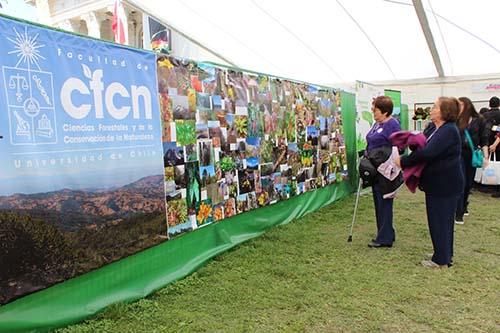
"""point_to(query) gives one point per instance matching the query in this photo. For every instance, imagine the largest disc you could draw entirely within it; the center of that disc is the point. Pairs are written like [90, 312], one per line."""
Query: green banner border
[139, 275]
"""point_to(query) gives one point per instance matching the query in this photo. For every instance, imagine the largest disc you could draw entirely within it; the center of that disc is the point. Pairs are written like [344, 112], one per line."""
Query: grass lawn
[305, 277]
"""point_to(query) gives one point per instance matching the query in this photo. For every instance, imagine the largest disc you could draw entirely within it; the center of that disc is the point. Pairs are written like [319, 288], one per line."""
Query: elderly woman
[378, 137]
[442, 179]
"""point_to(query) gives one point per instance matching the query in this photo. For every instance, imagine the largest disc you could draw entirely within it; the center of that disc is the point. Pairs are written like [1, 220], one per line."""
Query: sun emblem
[26, 49]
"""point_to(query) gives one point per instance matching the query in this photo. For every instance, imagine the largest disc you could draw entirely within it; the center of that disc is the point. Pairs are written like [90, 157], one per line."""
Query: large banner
[81, 177]
[365, 93]
[107, 150]
[236, 141]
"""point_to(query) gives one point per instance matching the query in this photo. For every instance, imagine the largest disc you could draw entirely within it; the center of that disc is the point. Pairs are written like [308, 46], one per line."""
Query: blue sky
[18, 8]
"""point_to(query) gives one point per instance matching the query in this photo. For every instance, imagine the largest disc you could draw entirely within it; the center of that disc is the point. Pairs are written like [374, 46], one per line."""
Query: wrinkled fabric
[389, 168]
[413, 140]
[392, 174]
[388, 185]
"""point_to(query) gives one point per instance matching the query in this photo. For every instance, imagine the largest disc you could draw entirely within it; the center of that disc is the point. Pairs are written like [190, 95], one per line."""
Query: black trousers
[441, 220]
[383, 214]
[469, 172]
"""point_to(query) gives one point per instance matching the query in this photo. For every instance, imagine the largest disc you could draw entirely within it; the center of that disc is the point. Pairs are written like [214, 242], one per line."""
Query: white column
[138, 34]
[130, 25]
[93, 20]
[135, 25]
[69, 25]
[106, 25]
[43, 11]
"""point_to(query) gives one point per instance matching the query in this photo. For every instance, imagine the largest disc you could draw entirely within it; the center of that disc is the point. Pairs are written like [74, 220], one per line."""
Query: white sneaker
[460, 221]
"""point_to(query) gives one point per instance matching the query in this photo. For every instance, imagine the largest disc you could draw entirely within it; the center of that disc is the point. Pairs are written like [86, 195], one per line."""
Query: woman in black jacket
[441, 179]
[469, 120]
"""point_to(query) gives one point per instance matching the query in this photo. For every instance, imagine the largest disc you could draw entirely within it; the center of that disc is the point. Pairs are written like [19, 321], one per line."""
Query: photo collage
[235, 141]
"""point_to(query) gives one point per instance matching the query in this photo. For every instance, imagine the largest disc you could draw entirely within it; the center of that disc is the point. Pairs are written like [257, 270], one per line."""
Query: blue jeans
[383, 214]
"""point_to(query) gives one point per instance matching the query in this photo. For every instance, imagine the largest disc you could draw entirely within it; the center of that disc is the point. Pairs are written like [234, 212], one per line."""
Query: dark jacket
[442, 174]
[491, 118]
[376, 157]
[429, 129]
[476, 129]
[369, 163]
[367, 172]
[379, 155]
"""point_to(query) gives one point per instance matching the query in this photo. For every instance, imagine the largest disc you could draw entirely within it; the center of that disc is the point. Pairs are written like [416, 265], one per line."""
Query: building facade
[95, 17]
[88, 17]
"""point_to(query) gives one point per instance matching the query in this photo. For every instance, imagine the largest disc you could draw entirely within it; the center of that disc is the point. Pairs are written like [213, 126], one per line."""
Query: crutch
[355, 210]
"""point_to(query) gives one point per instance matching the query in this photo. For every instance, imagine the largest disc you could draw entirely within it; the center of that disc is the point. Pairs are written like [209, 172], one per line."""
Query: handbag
[367, 172]
[491, 174]
[477, 153]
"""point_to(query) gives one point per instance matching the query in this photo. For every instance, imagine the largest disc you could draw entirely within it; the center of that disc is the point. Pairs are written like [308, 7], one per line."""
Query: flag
[120, 26]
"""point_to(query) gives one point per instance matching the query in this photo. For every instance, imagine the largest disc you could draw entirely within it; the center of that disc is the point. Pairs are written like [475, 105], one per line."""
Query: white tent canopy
[327, 42]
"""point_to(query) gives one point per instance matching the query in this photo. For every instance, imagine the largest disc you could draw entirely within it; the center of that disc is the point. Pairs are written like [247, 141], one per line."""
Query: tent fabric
[341, 41]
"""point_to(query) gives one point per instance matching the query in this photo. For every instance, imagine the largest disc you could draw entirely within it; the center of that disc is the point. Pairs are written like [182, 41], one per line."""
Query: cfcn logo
[96, 95]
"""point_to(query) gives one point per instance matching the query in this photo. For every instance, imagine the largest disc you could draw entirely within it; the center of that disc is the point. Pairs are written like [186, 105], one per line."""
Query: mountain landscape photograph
[46, 238]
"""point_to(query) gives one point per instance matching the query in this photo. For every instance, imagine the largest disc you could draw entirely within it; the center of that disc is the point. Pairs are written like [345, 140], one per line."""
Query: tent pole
[424, 23]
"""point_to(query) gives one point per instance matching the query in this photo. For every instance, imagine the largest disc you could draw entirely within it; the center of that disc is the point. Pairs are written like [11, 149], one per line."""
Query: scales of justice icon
[31, 109]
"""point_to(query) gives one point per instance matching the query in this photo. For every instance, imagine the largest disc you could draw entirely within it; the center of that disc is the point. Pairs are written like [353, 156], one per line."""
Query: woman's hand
[494, 146]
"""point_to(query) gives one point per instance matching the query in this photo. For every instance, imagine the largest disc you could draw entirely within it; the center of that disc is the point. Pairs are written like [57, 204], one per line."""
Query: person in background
[469, 120]
[378, 137]
[493, 147]
[441, 179]
[482, 111]
[492, 118]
